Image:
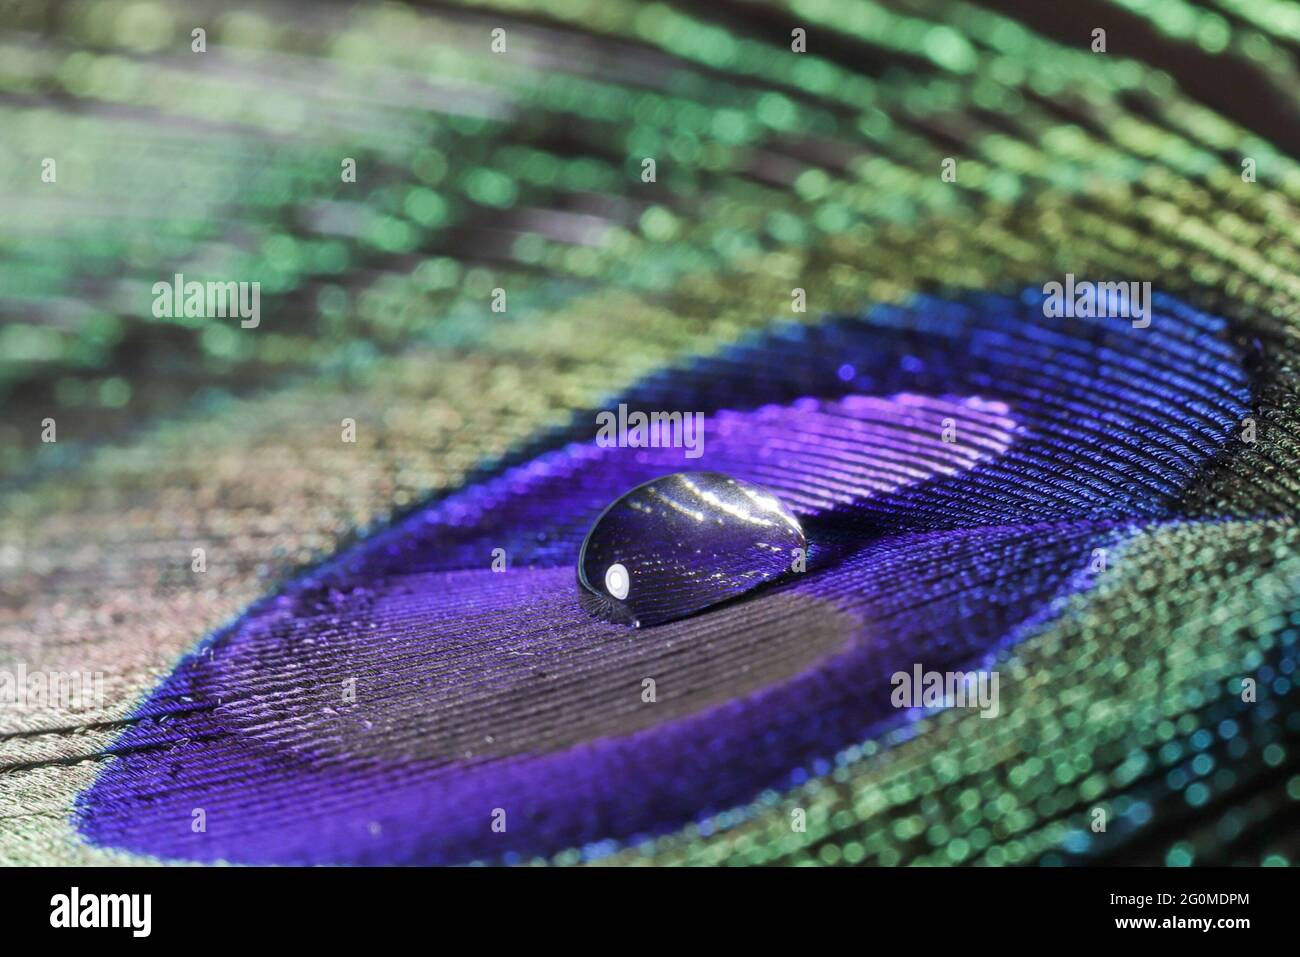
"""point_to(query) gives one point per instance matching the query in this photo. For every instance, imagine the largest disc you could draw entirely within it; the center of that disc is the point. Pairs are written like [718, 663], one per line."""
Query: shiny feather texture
[325, 566]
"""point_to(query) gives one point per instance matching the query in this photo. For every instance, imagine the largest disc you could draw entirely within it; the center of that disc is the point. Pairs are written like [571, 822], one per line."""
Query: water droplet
[684, 542]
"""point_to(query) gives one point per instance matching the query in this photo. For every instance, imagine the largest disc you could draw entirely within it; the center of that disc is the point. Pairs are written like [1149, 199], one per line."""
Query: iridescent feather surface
[320, 564]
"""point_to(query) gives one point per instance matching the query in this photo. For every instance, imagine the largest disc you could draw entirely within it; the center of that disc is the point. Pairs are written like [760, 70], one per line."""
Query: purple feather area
[953, 464]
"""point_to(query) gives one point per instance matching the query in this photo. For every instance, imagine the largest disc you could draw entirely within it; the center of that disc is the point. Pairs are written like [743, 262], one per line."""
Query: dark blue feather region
[478, 692]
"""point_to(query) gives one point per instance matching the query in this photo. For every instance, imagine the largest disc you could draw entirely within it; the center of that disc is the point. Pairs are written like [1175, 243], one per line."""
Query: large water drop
[683, 542]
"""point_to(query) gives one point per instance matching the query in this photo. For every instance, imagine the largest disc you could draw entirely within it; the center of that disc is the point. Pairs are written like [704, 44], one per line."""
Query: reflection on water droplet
[681, 543]
[616, 581]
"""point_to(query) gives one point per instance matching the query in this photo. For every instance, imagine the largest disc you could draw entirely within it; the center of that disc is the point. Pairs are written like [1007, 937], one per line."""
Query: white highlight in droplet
[617, 581]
